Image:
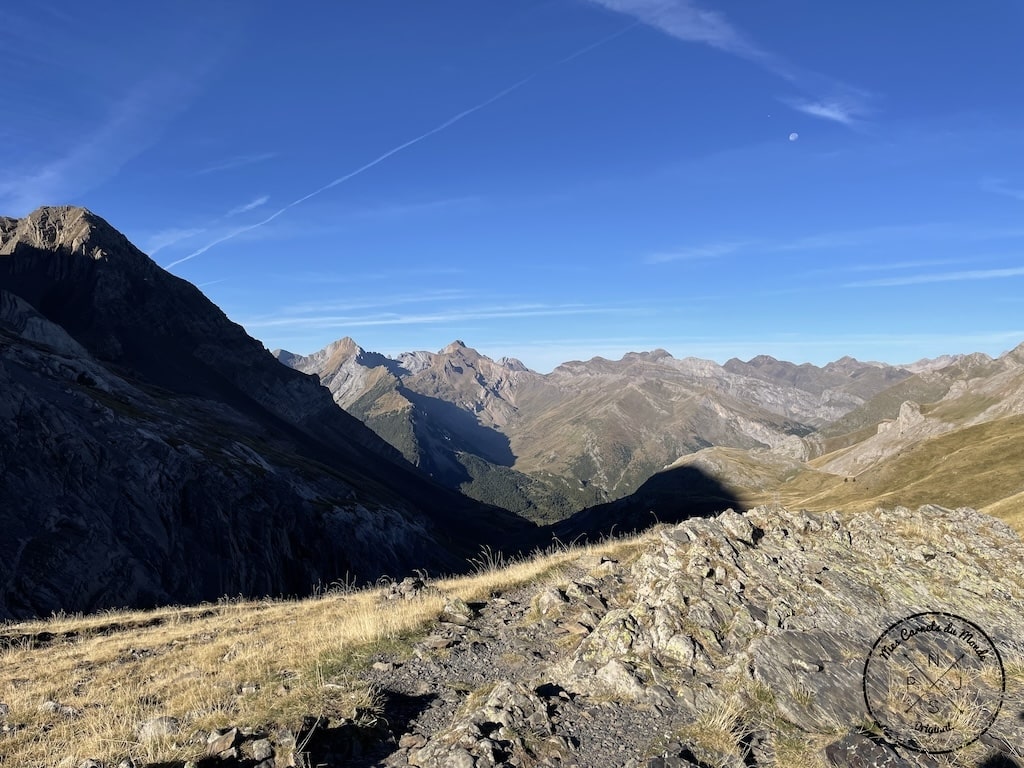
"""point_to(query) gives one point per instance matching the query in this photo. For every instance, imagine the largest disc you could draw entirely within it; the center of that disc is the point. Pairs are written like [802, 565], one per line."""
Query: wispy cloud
[259, 201]
[236, 162]
[174, 235]
[838, 112]
[422, 297]
[362, 277]
[685, 20]
[886, 234]
[168, 237]
[324, 322]
[399, 210]
[940, 277]
[1001, 187]
[405, 145]
[887, 266]
[696, 253]
[133, 125]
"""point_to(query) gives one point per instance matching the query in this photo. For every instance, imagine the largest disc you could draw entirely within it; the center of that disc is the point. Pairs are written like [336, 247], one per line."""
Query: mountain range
[152, 452]
[590, 433]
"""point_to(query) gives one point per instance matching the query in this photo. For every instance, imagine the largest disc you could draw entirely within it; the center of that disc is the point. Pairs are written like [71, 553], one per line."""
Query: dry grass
[976, 466]
[241, 663]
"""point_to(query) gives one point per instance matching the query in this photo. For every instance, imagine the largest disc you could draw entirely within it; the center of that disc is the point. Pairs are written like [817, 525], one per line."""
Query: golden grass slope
[237, 663]
[980, 466]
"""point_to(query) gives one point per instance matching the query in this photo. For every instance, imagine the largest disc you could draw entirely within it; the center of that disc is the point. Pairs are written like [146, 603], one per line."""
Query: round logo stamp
[934, 682]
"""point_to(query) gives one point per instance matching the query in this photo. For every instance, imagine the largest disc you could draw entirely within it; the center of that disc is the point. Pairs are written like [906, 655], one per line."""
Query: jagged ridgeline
[152, 452]
[591, 433]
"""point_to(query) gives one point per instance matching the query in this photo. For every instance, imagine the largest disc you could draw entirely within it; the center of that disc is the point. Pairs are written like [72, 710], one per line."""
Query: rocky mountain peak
[63, 228]
[1016, 354]
[456, 347]
[513, 364]
[344, 346]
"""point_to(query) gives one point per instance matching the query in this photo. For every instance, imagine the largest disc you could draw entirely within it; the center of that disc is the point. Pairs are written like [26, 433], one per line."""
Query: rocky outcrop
[740, 640]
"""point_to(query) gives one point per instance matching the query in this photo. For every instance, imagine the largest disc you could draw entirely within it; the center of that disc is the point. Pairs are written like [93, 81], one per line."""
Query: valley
[549, 445]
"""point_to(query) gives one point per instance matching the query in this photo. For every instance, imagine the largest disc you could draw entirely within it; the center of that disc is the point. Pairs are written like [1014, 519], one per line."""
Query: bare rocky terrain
[741, 640]
[735, 641]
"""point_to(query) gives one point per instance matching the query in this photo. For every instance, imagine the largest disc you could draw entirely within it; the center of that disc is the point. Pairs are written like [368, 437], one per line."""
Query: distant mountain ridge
[588, 432]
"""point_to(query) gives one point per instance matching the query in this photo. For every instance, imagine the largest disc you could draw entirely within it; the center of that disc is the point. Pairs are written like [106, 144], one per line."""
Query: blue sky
[547, 179]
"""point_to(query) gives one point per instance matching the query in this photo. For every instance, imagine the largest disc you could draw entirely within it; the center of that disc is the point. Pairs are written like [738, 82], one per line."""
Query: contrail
[395, 150]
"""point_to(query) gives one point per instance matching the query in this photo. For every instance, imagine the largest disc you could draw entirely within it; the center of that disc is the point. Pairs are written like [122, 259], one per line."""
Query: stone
[158, 728]
[857, 751]
[737, 526]
[458, 612]
[218, 742]
[412, 741]
[261, 749]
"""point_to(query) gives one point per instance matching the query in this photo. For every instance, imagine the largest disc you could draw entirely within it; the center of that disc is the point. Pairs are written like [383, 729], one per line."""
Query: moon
[794, 136]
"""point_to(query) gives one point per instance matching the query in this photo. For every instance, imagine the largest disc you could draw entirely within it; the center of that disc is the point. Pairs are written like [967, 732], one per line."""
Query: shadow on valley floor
[667, 497]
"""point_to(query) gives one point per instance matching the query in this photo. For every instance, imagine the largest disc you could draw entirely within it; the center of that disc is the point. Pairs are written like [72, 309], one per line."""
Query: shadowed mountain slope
[151, 451]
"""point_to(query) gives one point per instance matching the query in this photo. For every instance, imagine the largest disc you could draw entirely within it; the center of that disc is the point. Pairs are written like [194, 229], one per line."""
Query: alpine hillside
[152, 452]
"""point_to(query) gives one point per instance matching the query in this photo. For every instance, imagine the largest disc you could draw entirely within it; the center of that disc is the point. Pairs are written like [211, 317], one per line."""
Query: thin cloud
[442, 294]
[827, 110]
[247, 206]
[683, 20]
[237, 162]
[1000, 187]
[890, 266]
[168, 237]
[362, 277]
[893, 266]
[399, 210]
[321, 322]
[132, 126]
[686, 21]
[941, 277]
[712, 251]
[846, 238]
[405, 145]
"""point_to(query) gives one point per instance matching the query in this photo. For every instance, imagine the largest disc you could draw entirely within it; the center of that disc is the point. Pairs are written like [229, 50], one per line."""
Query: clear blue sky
[547, 179]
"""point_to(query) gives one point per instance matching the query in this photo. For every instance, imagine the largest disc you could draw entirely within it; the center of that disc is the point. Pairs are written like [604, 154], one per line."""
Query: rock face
[740, 640]
[152, 452]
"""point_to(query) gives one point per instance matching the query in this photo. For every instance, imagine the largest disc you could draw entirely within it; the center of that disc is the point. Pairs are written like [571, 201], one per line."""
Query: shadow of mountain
[377, 360]
[453, 429]
[667, 497]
